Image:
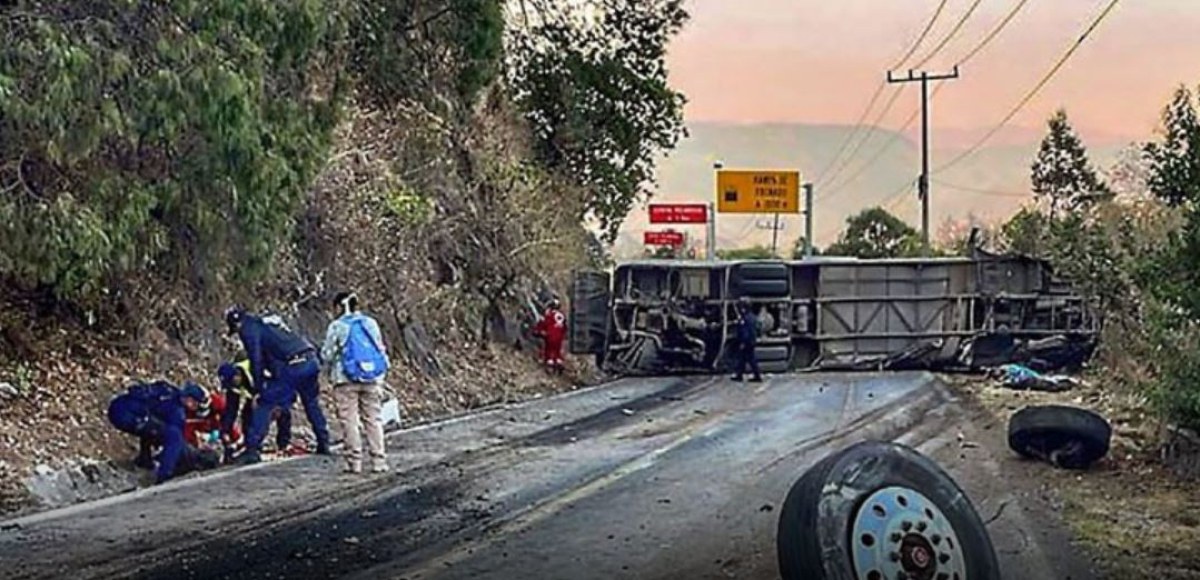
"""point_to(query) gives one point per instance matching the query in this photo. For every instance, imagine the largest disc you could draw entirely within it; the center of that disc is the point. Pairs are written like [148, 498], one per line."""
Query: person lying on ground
[205, 414]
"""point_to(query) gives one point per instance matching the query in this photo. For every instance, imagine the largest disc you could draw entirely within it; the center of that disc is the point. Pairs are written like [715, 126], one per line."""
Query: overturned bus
[663, 316]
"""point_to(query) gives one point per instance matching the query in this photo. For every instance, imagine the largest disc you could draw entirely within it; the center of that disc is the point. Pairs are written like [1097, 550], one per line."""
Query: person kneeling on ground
[156, 414]
[357, 362]
[240, 397]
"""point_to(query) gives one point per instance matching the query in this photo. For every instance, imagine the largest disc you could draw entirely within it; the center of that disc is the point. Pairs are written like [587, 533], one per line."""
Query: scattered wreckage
[662, 316]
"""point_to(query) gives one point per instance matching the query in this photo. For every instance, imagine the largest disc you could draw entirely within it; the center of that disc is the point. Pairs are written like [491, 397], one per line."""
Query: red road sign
[679, 213]
[673, 239]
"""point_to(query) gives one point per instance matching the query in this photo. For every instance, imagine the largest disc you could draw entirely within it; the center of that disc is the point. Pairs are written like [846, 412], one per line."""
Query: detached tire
[875, 510]
[1068, 437]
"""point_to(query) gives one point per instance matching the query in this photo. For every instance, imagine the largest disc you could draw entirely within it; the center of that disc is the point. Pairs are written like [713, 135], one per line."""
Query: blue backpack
[363, 361]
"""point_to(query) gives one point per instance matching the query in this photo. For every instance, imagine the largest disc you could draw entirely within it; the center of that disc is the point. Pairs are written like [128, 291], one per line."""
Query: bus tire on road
[881, 510]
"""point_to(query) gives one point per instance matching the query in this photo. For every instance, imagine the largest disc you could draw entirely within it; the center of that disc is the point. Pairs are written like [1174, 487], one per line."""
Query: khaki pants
[358, 407]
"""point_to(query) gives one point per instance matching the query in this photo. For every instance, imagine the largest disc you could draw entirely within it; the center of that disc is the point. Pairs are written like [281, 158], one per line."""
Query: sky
[818, 61]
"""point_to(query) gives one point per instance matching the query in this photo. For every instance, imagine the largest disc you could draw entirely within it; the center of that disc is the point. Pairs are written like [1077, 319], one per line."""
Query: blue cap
[193, 391]
[226, 372]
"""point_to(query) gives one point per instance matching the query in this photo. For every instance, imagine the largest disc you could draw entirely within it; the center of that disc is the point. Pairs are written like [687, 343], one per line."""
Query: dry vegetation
[1136, 519]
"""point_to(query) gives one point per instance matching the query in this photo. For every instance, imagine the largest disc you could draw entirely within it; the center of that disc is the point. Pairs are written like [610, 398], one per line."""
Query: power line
[924, 33]
[995, 32]
[872, 129]
[1036, 89]
[883, 149]
[858, 125]
[992, 35]
[982, 191]
[953, 32]
[874, 126]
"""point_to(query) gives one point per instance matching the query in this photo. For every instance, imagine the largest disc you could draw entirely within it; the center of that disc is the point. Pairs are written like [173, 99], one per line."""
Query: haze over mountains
[991, 184]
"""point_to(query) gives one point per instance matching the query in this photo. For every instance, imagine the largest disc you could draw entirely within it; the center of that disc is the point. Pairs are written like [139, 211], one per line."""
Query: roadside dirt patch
[1135, 518]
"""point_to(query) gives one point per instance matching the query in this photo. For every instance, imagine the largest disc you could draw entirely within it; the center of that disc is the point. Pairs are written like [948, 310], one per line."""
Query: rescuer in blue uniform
[239, 400]
[747, 339]
[156, 413]
[294, 369]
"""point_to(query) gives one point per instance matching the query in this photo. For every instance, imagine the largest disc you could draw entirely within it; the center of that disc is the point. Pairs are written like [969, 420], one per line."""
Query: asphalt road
[646, 478]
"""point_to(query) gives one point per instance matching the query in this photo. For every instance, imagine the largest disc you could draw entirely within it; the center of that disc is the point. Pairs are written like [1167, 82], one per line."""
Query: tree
[1175, 162]
[597, 95]
[174, 137]
[1026, 233]
[1062, 176]
[876, 233]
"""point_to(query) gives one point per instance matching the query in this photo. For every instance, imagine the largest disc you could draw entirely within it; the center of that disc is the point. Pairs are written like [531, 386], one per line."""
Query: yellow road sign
[758, 191]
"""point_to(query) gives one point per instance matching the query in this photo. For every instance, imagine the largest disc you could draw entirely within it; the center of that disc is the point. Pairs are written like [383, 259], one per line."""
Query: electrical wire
[1062, 61]
[873, 128]
[949, 36]
[924, 34]
[991, 36]
[994, 33]
[858, 125]
[982, 191]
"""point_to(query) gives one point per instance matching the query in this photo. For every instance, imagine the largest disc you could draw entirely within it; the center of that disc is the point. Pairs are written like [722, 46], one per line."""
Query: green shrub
[142, 135]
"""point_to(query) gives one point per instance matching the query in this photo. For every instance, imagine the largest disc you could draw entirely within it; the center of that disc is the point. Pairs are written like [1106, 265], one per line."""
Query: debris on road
[352, 540]
[1023, 378]
[1067, 437]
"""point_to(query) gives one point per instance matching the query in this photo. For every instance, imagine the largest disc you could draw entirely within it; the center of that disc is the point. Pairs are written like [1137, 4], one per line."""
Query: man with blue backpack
[357, 361]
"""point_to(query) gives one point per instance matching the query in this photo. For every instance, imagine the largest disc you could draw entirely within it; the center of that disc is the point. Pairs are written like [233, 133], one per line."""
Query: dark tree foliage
[758, 252]
[406, 49]
[1062, 176]
[1175, 161]
[177, 136]
[598, 98]
[876, 233]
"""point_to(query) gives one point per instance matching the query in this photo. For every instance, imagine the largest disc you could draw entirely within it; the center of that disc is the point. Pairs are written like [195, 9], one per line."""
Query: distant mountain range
[991, 184]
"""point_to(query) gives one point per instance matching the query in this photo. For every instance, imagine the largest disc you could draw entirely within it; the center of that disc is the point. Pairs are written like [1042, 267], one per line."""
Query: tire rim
[899, 534]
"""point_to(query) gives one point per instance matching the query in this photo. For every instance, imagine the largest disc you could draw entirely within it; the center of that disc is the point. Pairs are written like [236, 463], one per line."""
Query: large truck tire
[880, 511]
[1068, 437]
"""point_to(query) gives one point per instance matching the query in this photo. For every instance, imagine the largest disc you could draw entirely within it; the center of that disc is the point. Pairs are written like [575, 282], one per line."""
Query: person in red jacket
[204, 412]
[553, 330]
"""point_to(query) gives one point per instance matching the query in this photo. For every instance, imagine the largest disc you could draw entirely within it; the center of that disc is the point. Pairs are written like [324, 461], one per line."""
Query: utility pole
[808, 220]
[923, 183]
[775, 236]
[710, 252]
